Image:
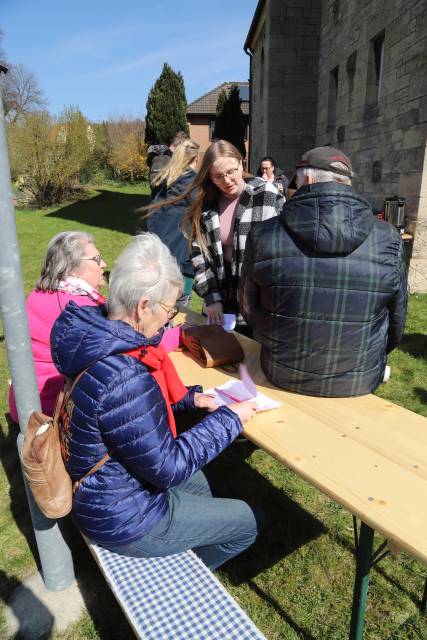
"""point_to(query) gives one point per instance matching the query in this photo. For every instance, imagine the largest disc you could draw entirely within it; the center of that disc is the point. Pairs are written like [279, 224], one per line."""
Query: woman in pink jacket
[73, 269]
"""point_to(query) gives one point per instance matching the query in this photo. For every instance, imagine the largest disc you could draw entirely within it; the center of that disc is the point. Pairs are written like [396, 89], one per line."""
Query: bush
[128, 152]
[47, 155]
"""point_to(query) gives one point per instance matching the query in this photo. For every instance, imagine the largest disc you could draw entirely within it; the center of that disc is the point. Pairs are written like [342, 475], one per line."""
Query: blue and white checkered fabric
[174, 598]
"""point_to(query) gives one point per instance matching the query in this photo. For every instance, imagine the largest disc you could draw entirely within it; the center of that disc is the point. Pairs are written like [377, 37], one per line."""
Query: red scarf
[161, 368]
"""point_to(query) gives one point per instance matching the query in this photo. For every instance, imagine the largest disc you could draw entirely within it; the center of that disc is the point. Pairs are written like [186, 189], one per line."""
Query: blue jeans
[217, 529]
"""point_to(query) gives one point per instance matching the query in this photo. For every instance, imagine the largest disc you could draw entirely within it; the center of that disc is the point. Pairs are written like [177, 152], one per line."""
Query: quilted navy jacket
[118, 406]
[324, 284]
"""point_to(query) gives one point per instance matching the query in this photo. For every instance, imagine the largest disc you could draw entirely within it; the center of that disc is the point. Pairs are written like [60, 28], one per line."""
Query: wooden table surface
[366, 453]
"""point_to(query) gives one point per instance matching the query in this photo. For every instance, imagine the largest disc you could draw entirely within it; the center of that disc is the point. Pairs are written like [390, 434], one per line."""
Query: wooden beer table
[366, 453]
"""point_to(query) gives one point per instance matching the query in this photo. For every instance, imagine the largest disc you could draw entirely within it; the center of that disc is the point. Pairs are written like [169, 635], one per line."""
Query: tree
[166, 108]
[230, 120]
[128, 152]
[21, 93]
[97, 169]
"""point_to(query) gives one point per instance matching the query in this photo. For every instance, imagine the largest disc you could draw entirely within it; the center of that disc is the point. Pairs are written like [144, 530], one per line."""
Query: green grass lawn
[297, 580]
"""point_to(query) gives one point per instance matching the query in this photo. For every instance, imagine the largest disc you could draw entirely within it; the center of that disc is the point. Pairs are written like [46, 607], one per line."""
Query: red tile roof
[206, 104]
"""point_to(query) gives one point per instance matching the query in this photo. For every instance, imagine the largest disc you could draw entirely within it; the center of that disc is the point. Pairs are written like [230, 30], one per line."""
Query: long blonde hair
[205, 192]
[184, 155]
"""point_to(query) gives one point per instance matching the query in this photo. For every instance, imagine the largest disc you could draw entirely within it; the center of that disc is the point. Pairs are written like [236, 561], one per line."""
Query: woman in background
[227, 203]
[73, 269]
[269, 172]
[165, 220]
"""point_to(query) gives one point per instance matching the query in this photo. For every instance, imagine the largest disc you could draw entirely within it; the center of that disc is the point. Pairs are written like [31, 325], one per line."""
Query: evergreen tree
[230, 119]
[166, 108]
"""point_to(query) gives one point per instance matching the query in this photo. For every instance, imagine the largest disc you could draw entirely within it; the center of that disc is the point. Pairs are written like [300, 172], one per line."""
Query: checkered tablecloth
[174, 598]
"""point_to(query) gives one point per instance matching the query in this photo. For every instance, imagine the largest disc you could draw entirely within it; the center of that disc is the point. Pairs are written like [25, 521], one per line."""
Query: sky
[105, 56]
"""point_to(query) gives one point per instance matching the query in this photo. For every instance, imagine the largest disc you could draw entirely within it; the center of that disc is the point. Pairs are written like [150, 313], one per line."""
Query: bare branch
[21, 93]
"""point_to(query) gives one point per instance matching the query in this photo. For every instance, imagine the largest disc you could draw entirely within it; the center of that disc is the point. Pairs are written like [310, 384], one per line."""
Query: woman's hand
[215, 313]
[245, 410]
[205, 401]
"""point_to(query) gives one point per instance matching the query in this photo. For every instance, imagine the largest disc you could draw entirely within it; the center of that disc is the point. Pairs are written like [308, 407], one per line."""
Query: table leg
[364, 547]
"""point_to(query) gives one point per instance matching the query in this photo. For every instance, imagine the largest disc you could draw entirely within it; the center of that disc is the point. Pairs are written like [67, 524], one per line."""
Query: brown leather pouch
[212, 346]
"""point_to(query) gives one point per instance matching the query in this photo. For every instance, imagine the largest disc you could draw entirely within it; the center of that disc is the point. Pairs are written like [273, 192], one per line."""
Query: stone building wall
[284, 81]
[351, 73]
[380, 125]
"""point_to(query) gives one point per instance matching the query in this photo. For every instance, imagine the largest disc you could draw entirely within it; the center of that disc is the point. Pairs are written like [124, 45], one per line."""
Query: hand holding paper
[241, 391]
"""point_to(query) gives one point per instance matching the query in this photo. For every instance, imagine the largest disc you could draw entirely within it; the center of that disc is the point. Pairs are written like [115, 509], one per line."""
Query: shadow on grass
[287, 525]
[25, 600]
[108, 210]
[421, 393]
[385, 573]
[415, 344]
[18, 499]
[302, 632]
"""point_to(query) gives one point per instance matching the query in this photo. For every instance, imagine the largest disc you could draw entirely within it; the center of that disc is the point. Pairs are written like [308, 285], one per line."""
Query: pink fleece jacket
[43, 308]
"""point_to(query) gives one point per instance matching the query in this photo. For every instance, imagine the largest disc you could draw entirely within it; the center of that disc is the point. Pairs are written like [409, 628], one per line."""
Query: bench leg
[364, 545]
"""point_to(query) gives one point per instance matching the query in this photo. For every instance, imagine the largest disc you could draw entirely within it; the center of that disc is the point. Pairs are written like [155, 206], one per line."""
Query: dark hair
[268, 159]
[265, 159]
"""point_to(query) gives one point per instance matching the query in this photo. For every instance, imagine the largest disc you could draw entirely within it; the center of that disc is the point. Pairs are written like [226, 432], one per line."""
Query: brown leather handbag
[212, 346]
[42, 462]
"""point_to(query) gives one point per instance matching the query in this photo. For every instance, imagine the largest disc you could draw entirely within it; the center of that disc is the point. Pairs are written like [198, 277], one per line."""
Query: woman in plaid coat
[225, 208]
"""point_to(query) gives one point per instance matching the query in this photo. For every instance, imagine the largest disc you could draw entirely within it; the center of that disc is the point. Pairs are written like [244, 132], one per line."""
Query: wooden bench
[173, 598]
[366, 453]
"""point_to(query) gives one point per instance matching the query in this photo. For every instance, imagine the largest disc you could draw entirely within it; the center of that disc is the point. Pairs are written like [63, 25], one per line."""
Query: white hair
[321, 175]
[63, 256]
[145, 269]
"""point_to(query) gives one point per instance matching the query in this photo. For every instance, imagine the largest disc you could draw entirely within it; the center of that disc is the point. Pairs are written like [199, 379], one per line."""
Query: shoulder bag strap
[62, 400]
[77, 483]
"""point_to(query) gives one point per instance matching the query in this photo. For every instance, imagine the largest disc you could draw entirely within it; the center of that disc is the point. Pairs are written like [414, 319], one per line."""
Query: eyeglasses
[171, 311]
[228, 174]
[97, 259]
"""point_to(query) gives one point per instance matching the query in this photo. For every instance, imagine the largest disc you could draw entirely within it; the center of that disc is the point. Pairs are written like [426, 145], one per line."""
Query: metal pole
[55, 556]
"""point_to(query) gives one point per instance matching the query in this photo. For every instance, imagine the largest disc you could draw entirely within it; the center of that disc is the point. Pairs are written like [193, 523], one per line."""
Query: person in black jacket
[324, 285]
[166, 221]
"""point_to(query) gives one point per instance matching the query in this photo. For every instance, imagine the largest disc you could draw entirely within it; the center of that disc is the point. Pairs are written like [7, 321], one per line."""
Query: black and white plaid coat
[260, 200]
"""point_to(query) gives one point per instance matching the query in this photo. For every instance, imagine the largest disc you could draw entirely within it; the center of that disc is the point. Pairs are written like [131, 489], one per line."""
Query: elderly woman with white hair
[149, 497]
[73, 270]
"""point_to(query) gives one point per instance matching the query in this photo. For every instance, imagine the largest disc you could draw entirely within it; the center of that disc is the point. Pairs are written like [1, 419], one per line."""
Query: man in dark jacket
[324, 285]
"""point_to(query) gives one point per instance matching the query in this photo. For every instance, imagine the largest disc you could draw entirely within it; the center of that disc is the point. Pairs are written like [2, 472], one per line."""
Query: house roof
[206, 104]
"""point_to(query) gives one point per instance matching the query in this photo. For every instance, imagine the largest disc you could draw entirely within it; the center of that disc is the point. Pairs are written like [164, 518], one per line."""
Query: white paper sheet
[238, 393]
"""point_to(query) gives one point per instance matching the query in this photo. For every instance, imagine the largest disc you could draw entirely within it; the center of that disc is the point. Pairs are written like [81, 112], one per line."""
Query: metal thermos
[394, 211]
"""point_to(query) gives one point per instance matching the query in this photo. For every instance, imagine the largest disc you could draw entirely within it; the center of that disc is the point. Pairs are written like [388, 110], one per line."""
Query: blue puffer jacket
[118, 406]
[324, 284]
